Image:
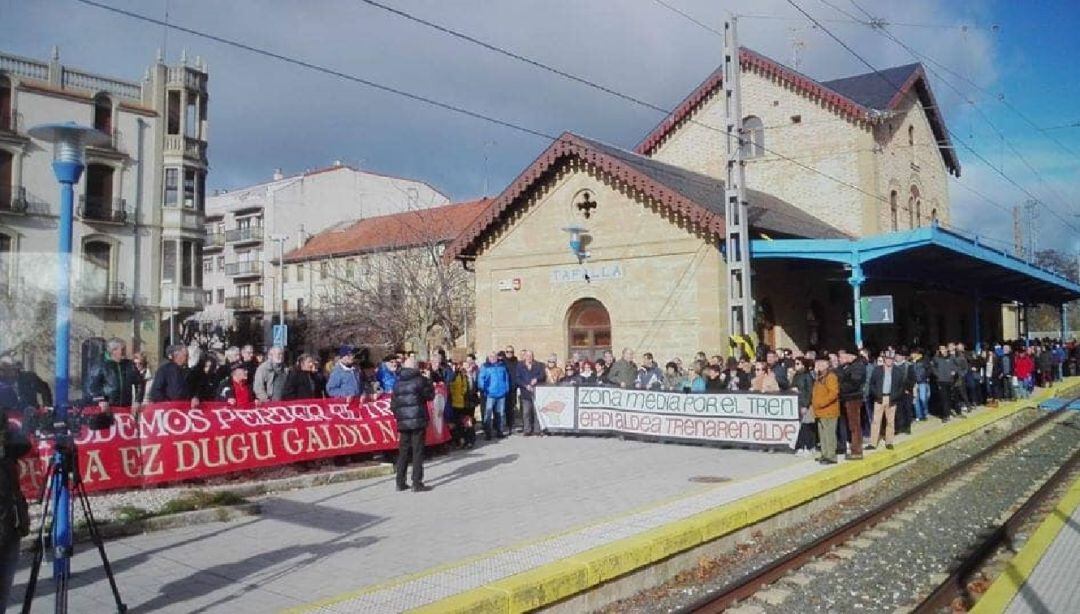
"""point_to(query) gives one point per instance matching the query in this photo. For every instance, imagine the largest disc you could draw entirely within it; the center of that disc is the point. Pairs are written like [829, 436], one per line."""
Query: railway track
[954, 585]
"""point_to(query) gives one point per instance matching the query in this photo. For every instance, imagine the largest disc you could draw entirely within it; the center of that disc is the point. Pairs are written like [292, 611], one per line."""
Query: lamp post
[69, 141]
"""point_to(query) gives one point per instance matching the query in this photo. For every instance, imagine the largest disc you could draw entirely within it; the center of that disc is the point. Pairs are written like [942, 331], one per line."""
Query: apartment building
[246, 228]
[138, 229]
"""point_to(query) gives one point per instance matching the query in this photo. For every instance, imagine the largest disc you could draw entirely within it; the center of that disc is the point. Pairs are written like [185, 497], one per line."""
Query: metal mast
[736, 224]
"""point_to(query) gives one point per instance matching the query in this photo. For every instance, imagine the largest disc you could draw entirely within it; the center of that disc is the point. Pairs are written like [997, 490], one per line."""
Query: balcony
[13, 200]
[214, 241]
[244, 303]
[251, 234]
[189, 147]
[247, 268]
[99, 209]
[113, 296]
[115, 144]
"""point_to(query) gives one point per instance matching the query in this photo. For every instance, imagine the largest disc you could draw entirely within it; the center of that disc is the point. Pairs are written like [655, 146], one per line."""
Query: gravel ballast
[862, 585]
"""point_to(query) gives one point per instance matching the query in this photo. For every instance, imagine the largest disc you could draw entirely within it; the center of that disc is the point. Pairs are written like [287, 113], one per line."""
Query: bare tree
[404, 292]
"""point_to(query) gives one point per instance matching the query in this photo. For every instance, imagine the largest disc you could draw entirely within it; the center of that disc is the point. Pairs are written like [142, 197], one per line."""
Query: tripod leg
[39, 544]
[95, 536]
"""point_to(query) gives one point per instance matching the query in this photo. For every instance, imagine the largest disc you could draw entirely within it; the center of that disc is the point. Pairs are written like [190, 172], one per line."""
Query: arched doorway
[588, 328]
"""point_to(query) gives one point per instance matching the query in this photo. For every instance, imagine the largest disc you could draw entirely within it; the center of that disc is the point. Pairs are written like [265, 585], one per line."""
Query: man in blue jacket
[494, 383]
[346, 381]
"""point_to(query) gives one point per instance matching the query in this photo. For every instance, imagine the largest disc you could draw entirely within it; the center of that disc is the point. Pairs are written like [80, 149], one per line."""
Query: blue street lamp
[69, 141]
[577, 242]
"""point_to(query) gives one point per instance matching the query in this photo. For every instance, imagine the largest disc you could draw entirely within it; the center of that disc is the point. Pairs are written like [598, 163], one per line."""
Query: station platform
[512, 525]
[1044, 576]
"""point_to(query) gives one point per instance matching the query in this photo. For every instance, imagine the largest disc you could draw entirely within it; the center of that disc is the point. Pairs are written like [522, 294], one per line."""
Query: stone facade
[661, 284]
[876, 159]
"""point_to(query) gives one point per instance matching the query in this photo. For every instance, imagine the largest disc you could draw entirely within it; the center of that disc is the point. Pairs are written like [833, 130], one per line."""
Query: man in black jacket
[113, 382]
[852, 374]
[887, 384]
[171, 380]
[412, 391]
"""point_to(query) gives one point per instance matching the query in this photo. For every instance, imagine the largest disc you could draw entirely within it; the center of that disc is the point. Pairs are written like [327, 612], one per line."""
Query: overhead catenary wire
[1023, 159]
[437, 103]
[963, 143]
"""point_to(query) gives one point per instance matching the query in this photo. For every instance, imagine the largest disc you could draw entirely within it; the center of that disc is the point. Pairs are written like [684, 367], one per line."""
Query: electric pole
[736, 222]
[1031, 209]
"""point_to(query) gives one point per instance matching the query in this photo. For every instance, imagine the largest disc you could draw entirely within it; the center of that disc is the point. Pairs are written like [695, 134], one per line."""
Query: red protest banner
[169, 442]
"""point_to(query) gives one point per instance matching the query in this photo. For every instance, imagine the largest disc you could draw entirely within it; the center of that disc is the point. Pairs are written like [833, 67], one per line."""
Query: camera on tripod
[44, 422]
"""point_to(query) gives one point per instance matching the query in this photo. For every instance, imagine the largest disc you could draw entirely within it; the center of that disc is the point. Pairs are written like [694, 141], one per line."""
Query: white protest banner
[732, 417]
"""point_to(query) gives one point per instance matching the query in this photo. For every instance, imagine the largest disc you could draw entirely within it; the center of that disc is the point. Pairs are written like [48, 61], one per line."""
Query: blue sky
[266, 115]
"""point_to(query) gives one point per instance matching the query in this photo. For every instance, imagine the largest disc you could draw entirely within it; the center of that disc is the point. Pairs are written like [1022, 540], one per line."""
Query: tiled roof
[860, 97]
[698, 198]
[386, 232]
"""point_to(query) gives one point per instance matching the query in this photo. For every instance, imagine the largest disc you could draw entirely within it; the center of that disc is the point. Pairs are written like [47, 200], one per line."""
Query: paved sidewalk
[1054, 584]
[519, 502]
[317, 543]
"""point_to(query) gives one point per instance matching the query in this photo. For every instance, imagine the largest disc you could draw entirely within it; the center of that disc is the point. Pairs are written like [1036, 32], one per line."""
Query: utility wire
[454, 108]
[689, 18]
[963, 143]
[879, 24]
[959, 93]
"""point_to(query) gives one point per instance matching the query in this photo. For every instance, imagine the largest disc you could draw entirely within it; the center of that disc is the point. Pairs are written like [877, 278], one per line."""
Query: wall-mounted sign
[510, 285]
[587, 274]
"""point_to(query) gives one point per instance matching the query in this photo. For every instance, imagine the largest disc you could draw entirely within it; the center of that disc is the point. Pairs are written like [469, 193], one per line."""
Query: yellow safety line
[554, 581]
[1019, 569]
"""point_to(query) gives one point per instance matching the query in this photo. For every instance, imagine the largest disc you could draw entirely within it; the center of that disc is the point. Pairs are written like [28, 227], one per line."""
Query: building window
[911, 135]
[933, 215]
[221, 263]
[189, 188]
[173, 112]
[98, 200]
[915, 203]
[285, 305]
[172, 180]
[893, 211]
[6, 114]
[753, 143]
[350, 268]
[7, 191]
[324, 270]
[187, 255]
[299, 306]
[300, 272]
[284, 274]
[168, 261]
[208, 297]
[191, 118]
[7, 263]
[208, 265]
[103, 113]
[221, 295]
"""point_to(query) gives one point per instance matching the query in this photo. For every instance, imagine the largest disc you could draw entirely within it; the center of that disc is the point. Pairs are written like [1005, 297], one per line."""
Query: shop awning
[932, 256]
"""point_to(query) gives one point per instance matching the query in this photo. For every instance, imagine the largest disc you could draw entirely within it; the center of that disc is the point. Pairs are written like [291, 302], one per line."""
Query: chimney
[278, 176]
[338, 163]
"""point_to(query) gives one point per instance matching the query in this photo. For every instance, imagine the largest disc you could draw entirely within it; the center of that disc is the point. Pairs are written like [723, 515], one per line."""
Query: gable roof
[697, 198]
[867, 97]
[388, 232]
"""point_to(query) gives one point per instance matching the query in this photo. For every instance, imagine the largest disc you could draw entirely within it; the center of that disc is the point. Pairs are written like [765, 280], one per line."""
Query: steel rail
[745, 587]
[955, 586]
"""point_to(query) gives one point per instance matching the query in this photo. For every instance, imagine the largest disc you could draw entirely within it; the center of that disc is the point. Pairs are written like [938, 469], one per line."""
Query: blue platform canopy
[931, 256]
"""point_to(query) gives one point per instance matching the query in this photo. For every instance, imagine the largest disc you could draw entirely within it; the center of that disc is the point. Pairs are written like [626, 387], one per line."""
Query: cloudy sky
[267, 114]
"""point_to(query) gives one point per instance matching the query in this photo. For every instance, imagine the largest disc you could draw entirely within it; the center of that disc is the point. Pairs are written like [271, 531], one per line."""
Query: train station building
[848, 197]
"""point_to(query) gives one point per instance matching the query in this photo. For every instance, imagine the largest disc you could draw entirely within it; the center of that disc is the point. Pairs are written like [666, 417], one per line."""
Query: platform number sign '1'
[877, 309]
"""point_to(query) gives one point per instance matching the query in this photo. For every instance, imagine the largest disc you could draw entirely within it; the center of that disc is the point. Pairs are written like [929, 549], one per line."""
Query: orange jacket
[826, 396]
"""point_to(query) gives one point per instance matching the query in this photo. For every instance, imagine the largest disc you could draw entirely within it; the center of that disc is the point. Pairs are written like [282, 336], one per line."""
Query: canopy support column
[1064, 322]
[978, 322]
[856, 279]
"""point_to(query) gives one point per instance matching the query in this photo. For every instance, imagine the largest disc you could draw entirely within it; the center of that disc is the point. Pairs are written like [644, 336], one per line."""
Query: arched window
[589, 328]
[103, 113]
[893, 210]
[96, 278]
[911, 135]
[933, 215]
[915, 203]
[6, 115]
[753, 137]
